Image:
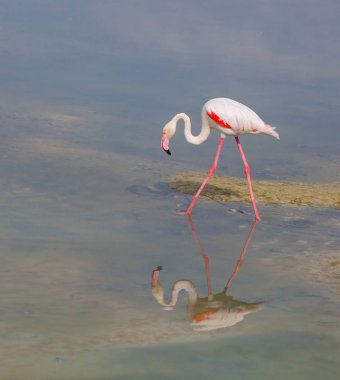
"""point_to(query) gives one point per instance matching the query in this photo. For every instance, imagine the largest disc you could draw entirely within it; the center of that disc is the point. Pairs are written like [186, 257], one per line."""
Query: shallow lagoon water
[76, 265]
[87, 215]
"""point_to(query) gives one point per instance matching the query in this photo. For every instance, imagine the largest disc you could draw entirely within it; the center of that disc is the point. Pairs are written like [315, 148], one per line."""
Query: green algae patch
[231, 189]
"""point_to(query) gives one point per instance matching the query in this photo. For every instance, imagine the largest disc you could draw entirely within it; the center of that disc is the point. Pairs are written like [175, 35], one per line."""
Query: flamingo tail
[269, 130]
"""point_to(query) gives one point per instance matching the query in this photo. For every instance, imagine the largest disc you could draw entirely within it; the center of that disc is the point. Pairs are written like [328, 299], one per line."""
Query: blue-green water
[86, 214]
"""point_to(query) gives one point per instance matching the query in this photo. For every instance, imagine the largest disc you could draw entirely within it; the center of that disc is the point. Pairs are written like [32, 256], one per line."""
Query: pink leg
[211, 172]
[247, 173]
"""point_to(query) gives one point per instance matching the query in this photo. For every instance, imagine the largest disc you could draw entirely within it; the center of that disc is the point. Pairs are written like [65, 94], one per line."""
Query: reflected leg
[241, 258]
[204, 256]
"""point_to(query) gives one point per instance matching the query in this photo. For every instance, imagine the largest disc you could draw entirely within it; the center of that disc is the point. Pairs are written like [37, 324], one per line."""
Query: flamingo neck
[196, 140]
[188, 286]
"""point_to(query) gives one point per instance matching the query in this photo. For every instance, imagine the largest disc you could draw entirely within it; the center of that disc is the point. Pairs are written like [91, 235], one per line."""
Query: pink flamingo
[228, 117]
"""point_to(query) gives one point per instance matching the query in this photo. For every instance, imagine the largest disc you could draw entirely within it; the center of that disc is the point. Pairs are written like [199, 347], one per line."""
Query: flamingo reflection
[215, 311]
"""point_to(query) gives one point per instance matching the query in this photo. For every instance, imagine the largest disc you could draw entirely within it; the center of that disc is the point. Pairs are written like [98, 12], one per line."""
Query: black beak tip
[158, 269]
[167, 151]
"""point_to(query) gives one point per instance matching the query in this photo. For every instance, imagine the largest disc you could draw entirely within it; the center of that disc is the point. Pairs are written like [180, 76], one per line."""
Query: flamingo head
[168, 132]
[155, 276]
[157, 288]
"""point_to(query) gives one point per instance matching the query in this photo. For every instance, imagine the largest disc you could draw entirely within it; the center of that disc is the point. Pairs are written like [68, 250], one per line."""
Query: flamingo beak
[165, 144]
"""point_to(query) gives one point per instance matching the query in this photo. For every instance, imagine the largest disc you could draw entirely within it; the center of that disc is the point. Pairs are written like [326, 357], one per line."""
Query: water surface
[87, 215]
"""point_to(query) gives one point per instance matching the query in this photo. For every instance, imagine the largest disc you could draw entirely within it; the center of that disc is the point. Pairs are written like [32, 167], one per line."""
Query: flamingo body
[233, 118]
[228, 117]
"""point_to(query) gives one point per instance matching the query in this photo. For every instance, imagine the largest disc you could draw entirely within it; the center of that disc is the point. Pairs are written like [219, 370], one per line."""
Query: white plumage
[239, 117]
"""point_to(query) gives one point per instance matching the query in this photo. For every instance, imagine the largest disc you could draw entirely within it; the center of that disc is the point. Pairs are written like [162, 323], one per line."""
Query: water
[87, 215]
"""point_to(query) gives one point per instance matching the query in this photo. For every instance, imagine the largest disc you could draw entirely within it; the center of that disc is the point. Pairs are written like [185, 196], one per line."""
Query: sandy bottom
[230, 189]
[320, 269]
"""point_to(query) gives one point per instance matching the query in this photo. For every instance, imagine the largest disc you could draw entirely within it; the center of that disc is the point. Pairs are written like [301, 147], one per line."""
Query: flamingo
[228, 117]
[215, 311]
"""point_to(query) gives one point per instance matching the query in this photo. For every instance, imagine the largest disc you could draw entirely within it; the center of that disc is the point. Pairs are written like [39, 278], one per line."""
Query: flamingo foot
[257, 218]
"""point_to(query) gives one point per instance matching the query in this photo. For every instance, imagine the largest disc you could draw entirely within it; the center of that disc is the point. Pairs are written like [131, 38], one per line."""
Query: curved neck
[199, 139]
[186, 285]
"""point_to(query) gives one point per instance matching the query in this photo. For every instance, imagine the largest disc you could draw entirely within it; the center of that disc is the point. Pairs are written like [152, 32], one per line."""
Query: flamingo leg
[247, 173]
[210, 174]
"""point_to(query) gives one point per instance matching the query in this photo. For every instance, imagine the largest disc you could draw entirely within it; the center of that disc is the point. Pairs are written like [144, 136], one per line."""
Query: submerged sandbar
[231, 189]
